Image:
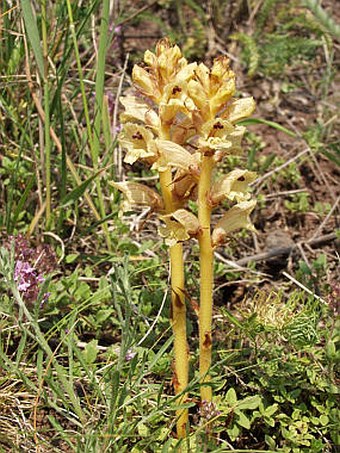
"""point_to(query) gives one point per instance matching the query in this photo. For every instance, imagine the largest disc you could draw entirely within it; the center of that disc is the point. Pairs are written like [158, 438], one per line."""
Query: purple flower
[31, 264]
[22, 268]
[23, 286]
[28, 280]
[208, 410]
[130, 355]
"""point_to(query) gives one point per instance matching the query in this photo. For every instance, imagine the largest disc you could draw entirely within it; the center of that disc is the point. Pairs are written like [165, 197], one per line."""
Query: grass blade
[79, 190]
[33, 34]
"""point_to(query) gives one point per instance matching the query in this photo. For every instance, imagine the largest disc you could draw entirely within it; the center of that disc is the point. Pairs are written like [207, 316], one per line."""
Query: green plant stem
[47, 116]
[178, 311]
[94, 146]
[206, 277]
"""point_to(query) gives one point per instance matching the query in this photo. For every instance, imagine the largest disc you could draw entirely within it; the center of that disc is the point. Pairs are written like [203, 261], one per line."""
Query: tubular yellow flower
[180, 226]
[239, 109]
[175, 100]
[199, 91]
[165, 66]
[146, 82]
[169, 61]
[139, 143]
[137, 110]
[235, 218]
[233, 186]
[137, 195]
[185, 186]
[222, 84]
[173, 155]
[220, 135]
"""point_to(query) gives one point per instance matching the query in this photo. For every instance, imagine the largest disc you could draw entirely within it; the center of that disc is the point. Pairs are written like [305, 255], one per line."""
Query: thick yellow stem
[178, 317]
[206, 276]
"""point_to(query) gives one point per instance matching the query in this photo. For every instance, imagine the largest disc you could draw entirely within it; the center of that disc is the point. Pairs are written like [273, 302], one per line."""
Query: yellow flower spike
[139, 143]
[173, 155]
[137, 110]
[235, 218]
[188, 126]
[180, 226]
[239, 109]
[136, 195]
[169, 60]
[211, 89]
[233, 186]
[165, 66]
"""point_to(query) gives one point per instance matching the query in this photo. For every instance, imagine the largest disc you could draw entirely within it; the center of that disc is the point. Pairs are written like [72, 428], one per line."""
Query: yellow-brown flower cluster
[179, 113]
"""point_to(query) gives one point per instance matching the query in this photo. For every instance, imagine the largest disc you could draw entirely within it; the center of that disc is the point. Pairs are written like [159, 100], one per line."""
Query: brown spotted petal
[139, 143]
[233, 186]
[136, 195]
[235, 139]
[180, 226]
[174, 100]
[174, 155]
[235, 218]
[221, 135]
[215, 134]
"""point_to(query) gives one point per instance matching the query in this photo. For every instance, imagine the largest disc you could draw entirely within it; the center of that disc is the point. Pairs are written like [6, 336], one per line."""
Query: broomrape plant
[181, 121]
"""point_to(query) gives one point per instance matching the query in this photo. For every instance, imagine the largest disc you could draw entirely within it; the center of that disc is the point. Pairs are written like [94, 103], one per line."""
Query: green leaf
[231, 397]
[270, 410]
[270, 442]
[91, 351]
[277, 126]
[270, 421]
[71, 257]
[233, 432]
[243, 421]
[19, 208]
[33, 33]
[79, 191]
[233, 319]
[324, 420]
[252, 402]
[103, 315]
